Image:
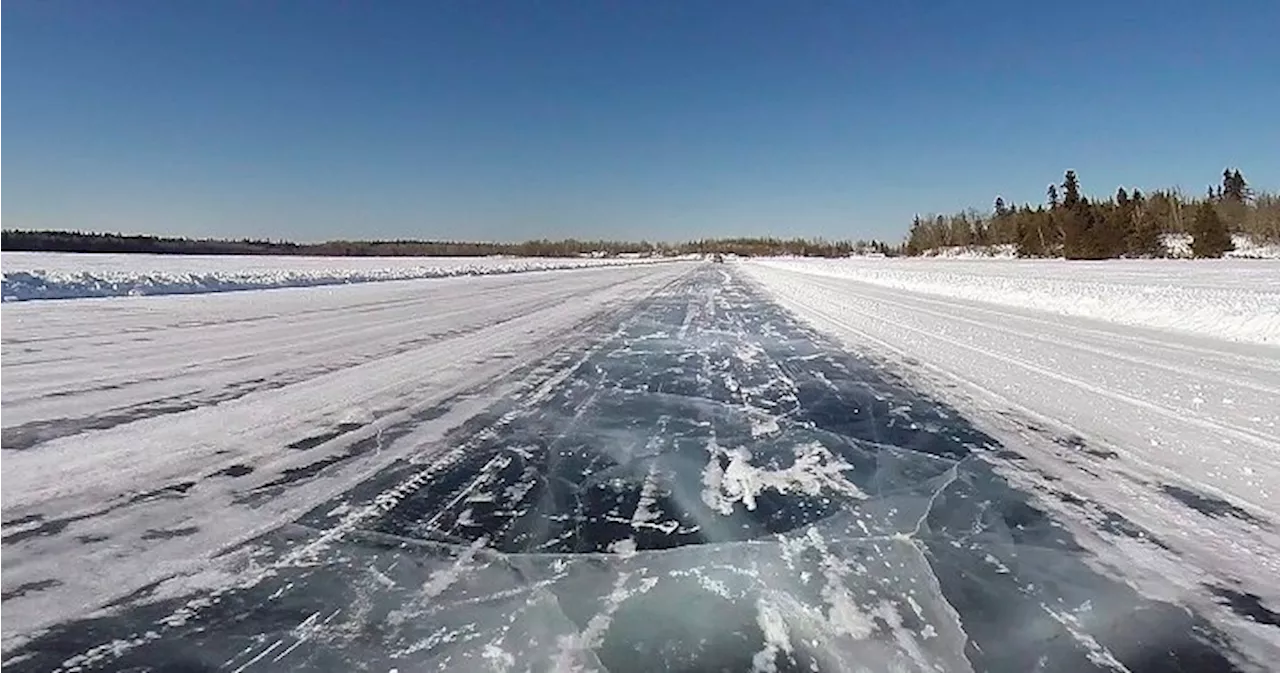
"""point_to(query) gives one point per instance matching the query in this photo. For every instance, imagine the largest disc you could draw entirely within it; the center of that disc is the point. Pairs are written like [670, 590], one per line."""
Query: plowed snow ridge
[36, 275]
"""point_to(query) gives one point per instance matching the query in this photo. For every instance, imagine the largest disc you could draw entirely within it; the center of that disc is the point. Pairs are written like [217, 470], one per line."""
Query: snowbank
[38, 275]
[1176, 245]
[1002, 251]
[1228, 299]
[1179, 245]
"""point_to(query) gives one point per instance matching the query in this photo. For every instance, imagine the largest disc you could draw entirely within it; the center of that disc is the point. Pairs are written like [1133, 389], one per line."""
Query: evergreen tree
[1233, 196]
[1070, 190]
[916, 238]
[1209, 235]
[1234, 187]
[1028, 242]
[1076, 218]
[1131, 223]
[1143, 235]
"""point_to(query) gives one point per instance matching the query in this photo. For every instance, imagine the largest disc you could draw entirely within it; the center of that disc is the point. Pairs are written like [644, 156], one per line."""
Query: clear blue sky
[661, 119]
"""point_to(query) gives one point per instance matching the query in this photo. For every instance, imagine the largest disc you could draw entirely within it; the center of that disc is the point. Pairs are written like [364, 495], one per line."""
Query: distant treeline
[1128, 224]
[771, 247]
[76, 241]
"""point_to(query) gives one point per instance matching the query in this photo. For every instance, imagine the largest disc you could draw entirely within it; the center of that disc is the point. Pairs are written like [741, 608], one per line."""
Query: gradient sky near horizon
[662, 119]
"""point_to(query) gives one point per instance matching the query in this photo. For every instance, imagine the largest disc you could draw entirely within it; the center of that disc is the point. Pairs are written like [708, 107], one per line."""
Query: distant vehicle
[717, 258]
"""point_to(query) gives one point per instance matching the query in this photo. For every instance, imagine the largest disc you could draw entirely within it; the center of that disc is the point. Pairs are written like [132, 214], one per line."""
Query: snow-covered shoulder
[1232, 299]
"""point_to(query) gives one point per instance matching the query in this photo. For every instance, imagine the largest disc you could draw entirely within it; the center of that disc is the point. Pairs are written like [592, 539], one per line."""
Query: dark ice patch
[1208, 505]
[139, 594]
[1006, 454]
[316, 440]
[170, 492]
[292, 475]
[29, 588]
[1078, 443]
[355, 449]
[1113, 523]
[1247, 605]
[46, 528]
[1069, 498]
[30, 435]
[168, 533]
[237, 470]
[25, 519]
[93, 389]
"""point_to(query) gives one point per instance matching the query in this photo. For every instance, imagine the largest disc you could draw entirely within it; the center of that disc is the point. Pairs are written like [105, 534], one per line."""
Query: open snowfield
[55, 275]
[769, 465]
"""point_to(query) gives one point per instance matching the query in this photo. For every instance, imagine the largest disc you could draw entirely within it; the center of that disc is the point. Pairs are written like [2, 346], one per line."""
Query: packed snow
[41, 275]
[1226, 299]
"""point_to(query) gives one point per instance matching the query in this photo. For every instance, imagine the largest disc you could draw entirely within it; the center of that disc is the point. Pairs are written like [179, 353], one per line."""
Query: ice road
[676, 466]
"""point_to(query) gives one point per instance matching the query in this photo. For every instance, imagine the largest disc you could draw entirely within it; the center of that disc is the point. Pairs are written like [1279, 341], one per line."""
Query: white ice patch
[814, 470]
[624, 548]
[999, 566]
[750, 352]
[499, 660]
[438, 582]
[441, 580]
[713, 585]
[1097, 653]
[34, 523]
[776, 640]
[648, 498]
[763, 424]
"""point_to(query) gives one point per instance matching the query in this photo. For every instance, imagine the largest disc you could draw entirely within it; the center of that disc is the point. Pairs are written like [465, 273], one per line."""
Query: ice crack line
[953, 473]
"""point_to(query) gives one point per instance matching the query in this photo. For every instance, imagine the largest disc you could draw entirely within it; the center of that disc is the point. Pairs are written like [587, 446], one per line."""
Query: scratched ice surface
[712, 486]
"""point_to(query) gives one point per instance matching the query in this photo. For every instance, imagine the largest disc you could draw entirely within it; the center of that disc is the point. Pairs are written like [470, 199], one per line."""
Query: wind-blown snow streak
[36, 275]
[1230, 299]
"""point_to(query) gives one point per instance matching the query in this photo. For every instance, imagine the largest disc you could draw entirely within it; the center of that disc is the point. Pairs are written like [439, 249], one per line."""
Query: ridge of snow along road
[42, 275]
[1238, 300]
